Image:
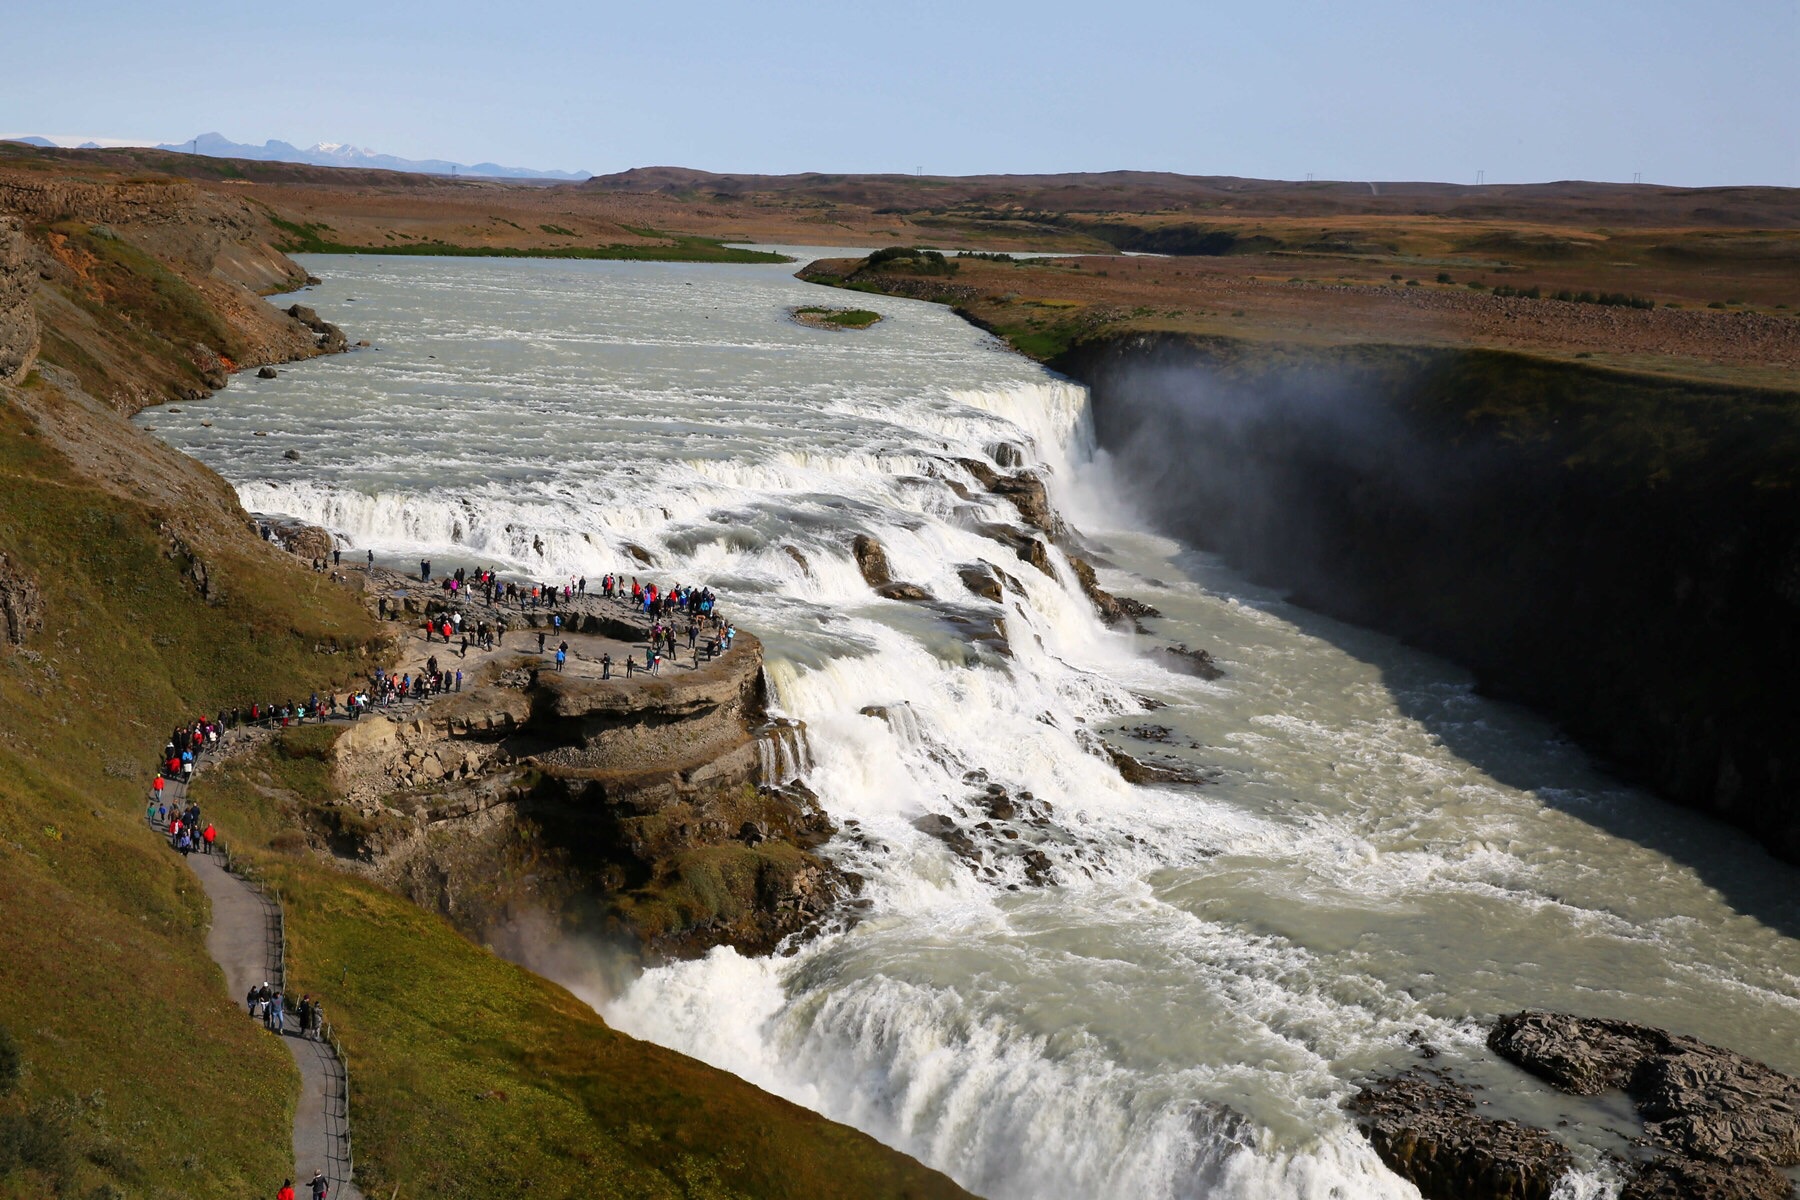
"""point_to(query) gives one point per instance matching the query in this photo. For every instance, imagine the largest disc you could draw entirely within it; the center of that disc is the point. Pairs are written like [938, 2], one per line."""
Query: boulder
[266, 373]
[329, 337]
[871, 560]
[1426, 1129]
[1188, 662]
[903, 591]
[1114, 610]
[1698, 1100]
[981, 579]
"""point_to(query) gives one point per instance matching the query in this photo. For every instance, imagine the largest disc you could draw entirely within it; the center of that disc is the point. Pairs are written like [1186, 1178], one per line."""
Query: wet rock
[903, 591]
[793, 552]
[1695, 1179]
[878, 711]
[292, 456]
[1037, 867]
[947, 831]
[980, 579]
[871, 560]
[1135, 770]
[1188, 662]
[1697, 1100]
[266, 373]
[1028, 495]
[1034, 551]
[1426, 1129]
[1007, 454]
[640, 554]
[329, 337]
[1114, 610]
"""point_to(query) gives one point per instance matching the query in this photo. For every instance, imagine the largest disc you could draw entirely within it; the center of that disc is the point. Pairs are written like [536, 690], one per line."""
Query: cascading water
[1105, 989]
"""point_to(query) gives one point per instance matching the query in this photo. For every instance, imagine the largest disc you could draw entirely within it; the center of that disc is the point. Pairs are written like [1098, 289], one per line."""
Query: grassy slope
[129, 1038]
[544, 1099]
[142, 1077]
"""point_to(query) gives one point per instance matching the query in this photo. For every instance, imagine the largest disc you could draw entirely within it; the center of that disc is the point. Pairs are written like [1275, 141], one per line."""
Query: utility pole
[1480, 178]
[1637, 177]
[1309, 177]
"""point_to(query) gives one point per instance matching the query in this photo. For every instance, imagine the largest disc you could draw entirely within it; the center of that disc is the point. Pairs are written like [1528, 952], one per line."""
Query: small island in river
[834, 318]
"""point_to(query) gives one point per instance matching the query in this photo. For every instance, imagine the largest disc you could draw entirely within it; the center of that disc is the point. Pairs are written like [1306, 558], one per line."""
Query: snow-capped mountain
[339, 154]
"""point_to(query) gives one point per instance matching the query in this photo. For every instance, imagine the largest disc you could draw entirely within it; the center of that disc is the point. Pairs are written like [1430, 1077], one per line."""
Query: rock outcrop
[331, 339]
[1426, 1129]
[18, 319]
[21, 605]
[1723, 1126]
[871, 560]
[653, 813]
[1697, 1101]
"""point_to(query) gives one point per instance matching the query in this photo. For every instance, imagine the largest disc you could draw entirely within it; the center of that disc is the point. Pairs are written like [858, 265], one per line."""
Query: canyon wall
[1619, 552]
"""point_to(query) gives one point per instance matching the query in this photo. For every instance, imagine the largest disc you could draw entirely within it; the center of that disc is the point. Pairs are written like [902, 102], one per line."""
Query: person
[371, 560]
[540, 641]
[562, 656]
[277, 1017]
[208, 836]
[305, 1013]
[251, 1000]
[606, 666]
[321, 1187]
[287, 1190]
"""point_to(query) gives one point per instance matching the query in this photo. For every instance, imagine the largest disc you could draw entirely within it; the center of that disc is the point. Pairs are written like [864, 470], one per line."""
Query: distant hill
[1170, 197]
[335, 154]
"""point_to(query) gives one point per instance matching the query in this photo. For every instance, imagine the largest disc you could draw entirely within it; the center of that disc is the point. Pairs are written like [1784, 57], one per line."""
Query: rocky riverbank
[1716, 1125]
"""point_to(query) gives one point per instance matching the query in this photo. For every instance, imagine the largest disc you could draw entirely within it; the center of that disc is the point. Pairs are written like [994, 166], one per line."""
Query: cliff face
[1621, 553]
[144, 291]
[18, 319]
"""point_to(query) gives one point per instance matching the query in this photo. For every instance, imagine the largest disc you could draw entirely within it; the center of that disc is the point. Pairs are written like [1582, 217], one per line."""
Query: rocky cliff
[145, 290]
[18, 319]
[1622, 553]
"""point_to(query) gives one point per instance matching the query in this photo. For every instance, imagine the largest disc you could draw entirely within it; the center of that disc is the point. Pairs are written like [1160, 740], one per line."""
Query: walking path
[246, 937]
[246, 941]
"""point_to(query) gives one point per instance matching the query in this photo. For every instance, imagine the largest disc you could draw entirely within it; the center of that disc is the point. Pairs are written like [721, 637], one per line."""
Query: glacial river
[1380, 859]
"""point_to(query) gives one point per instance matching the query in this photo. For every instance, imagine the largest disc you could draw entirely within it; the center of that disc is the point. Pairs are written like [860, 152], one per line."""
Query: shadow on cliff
[1525, 751]
[1605, 550]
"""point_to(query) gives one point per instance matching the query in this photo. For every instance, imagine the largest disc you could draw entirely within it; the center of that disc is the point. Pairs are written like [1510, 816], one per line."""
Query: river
[1380, 858]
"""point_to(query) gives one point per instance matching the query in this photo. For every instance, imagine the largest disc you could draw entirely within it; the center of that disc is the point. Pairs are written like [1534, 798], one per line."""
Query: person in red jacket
[287, 1190]
[208, 836]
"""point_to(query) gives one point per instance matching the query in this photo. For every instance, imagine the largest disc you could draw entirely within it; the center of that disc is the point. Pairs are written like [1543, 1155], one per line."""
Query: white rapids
[1381, 858]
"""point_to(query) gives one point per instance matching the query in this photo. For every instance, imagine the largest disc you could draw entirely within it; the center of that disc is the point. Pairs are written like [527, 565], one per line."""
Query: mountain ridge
[335, 154]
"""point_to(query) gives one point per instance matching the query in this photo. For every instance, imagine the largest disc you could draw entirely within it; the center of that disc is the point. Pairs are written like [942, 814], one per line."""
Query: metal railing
[275, 941]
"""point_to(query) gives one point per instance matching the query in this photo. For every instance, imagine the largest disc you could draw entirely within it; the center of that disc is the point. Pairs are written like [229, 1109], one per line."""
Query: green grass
[131, 1046]
[303, 238]
[545, 1099]
[844, 318]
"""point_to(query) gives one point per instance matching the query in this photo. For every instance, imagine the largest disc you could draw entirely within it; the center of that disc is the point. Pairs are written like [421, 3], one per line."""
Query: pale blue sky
[1696, 92]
